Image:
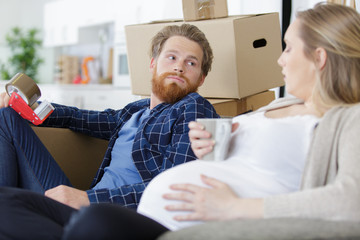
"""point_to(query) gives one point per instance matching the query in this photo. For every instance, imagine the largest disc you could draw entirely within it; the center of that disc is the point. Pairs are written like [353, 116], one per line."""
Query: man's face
[177, 70]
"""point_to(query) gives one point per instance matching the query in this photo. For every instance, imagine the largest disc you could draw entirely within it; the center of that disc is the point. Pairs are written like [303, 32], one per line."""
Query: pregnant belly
[244, 181]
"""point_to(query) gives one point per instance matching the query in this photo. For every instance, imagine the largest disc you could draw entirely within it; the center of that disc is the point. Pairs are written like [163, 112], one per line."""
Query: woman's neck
[315, 107]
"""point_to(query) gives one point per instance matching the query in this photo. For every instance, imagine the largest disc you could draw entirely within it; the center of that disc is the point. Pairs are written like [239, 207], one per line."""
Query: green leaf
[24, 57]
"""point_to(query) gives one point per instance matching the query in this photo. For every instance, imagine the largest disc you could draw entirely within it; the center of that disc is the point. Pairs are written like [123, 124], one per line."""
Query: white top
[266, 157]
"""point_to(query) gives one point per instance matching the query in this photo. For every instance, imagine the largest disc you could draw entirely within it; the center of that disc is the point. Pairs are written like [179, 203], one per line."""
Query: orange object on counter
[85, 70]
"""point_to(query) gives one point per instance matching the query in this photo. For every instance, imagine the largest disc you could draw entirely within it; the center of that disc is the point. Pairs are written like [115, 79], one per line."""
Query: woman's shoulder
[341, 118]
[280, 103]
[344, 111]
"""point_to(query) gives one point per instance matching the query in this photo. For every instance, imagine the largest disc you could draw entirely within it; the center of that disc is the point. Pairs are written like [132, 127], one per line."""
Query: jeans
[24, 160]
[28, 215]
[110, 221]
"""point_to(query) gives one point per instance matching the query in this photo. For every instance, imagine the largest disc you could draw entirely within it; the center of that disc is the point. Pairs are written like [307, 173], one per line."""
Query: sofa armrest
[78, 155]
[278, 228]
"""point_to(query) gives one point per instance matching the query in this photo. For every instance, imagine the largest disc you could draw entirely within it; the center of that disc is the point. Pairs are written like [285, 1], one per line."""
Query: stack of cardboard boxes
[245, 50]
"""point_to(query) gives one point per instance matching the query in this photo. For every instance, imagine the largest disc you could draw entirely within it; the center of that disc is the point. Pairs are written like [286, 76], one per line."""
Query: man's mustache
[178, 74]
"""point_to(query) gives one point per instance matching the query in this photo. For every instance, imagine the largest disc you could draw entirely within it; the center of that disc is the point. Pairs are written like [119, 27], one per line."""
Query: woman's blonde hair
[336, 28]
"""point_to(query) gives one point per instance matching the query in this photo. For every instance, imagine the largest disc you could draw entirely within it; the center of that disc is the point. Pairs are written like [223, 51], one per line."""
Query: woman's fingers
[187, 187]
[180, 207]
[234, 126]
[200, 153]
[195, 134]
[212, 182]
[195, 125]
[194, 216]
[201, 143]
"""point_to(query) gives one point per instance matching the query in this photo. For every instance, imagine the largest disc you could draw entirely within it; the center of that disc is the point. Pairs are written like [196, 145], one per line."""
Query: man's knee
[8, 194]
[8, 114]
[10, 118]
[85, 224]
[93, 215]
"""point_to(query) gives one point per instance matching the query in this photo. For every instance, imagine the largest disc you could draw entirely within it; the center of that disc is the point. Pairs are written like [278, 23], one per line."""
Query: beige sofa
[77, 154]
[80, 156]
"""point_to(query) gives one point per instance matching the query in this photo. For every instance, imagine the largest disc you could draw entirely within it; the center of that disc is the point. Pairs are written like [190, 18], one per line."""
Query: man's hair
[336, 28]
[191, 32]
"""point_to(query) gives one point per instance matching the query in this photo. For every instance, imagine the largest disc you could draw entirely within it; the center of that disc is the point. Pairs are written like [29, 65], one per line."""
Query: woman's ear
[320, 58]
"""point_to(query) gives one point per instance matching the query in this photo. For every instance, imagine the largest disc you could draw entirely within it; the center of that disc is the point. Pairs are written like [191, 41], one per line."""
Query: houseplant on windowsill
[24, 53]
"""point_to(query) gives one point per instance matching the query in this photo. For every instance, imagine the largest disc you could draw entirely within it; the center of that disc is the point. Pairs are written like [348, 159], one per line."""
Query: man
[145, 138]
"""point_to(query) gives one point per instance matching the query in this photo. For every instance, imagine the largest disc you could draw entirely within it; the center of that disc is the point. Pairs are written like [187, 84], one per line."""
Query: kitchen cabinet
[60, 27]
[63, 18]
[94, 12]
[90, 96]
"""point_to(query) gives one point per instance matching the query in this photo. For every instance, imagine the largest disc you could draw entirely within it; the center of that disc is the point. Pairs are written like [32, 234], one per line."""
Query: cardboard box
[240, 67]
[204, 9]
[235, 107]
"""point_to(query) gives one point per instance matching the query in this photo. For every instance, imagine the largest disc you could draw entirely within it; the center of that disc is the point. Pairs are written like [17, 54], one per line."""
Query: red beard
[171, 93]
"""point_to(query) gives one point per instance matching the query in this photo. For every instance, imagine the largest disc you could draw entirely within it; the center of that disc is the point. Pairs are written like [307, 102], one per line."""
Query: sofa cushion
[279, 229]
[78, 155]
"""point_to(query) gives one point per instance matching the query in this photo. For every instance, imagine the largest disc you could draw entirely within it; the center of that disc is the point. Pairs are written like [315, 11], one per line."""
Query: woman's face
[299, 71]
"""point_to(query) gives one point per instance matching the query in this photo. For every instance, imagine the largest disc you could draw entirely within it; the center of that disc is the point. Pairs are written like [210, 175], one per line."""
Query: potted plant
[24, 49]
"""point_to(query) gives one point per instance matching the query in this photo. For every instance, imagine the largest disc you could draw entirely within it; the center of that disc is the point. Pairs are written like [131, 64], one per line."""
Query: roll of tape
[25, 87]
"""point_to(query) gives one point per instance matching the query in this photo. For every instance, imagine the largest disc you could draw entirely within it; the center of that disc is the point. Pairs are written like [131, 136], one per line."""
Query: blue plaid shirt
[160, 142]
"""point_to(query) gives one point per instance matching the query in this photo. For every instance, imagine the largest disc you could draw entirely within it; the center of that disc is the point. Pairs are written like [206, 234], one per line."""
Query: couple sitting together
[296, 157]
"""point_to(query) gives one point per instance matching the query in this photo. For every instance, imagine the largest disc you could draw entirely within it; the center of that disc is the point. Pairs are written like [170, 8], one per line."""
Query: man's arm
[127, 195]
[94, 123]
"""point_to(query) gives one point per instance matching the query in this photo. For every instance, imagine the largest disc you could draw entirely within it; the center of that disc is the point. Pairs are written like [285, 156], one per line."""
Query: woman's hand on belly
[216, 202]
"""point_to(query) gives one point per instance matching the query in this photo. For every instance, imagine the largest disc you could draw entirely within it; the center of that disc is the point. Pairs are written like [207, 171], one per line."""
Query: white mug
[220, 129]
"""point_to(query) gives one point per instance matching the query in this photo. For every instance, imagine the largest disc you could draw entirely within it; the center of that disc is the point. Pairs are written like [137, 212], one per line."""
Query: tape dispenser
[24, 93]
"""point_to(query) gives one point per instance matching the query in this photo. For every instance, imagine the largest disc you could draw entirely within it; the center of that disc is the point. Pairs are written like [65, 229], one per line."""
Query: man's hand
[200, 139]
[4, 100]
[70, 196]
[216, 202]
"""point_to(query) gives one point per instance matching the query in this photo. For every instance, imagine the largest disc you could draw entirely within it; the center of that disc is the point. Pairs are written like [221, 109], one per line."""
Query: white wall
[301, 5]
